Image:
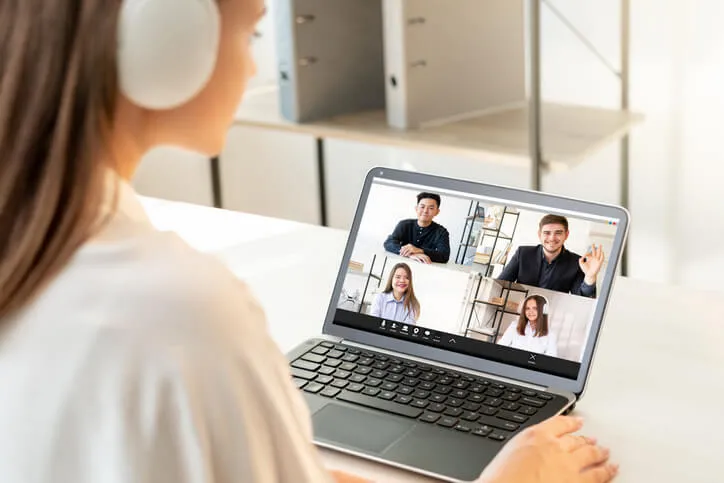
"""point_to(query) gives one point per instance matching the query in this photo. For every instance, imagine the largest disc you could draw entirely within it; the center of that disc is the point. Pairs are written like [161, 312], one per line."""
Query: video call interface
[506, 282]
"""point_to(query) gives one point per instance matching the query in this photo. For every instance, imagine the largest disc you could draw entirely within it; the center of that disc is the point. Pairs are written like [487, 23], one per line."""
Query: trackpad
[358, 429]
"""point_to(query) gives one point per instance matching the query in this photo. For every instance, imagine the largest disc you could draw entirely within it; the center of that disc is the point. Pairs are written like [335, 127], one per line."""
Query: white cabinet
[347, 163]
[272, 173]
[175, 174]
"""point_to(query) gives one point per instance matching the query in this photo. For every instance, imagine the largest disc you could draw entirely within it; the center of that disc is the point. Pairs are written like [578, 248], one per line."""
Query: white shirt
[145, 361]
[546, 344]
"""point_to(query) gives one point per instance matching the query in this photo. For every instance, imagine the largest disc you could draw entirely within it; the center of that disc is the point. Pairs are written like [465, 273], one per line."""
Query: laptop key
[303, 374]
[329, 392]
[514, 417]
[394, 377]
[378, 374]
[461, 384]
[438, 398]
[482, 431]
[463, 427]
[313, 387]
[341, 348]
[306, 365]
[365, 361]
[459, 394]
[497, 436]
[527, 410]
[430, 417]
[381, 404]
[547, 397]
[371, 391]
[454, 402]
[498, 423]
[428, 376]
[373, 382]
[412, 373]
[348, 366]
[532, 402]
[405, 390]
[510, 406]
[427, 386]
[514, 389]
[447, 421]
[403, 399]
[389, 386]
[476, 388]
[396, 369]
[530, 393]
[342, 374]
[381, 365]
[419, 403]
[470, 416]
[324, 379]
[340, 383]
[436, 407]
[352, 350]
[471, 406]
[456, 412]
[382, 358]
[357, 378]
[363, 370]
[442, 389]
[320, 350]
[329, 345]
[350, 358]
[493, 392]
[421, 394]
[354, 387]
[408, 381]
[488, 411]
[326, 370]
[332, 363]
[494, 402]
[387, 395]
[476, 398]
[335, 354]
[510, 396]
[313, 358]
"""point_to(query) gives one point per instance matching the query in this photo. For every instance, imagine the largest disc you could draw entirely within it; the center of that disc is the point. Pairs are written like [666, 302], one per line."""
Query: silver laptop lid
[487, 278]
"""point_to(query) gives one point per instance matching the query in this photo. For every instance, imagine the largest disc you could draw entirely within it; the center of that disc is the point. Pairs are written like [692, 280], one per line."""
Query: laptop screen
[492, 278]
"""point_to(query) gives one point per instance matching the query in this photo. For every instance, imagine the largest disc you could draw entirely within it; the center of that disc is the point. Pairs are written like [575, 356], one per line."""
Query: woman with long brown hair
[397, 301]
[125, 355]
[531, 332]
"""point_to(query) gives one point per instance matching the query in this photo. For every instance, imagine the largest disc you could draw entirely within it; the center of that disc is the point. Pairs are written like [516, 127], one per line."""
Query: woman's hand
[548, 452]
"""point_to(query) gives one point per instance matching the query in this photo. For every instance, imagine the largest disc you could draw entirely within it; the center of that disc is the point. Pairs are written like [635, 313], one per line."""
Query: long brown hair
[57, 101]
[542, 322]
[411, 304]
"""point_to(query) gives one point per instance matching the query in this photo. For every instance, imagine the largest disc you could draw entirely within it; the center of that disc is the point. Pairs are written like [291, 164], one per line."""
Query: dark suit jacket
[526, 267]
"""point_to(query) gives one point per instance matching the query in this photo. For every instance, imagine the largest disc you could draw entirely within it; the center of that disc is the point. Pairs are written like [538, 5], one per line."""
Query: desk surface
[656, 389]
[570, 132]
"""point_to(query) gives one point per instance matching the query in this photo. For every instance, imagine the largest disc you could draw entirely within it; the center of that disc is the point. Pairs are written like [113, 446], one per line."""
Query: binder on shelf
[330, 57]
[448, 61]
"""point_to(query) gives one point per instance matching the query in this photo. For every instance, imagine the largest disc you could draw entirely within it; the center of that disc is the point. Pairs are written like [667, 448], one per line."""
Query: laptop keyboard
[450, 399]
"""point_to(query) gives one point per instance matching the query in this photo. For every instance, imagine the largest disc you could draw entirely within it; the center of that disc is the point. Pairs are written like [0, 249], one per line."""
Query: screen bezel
[515, 195]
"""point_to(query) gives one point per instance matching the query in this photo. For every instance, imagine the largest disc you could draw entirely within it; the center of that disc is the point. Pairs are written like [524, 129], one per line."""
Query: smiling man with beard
[551, 266]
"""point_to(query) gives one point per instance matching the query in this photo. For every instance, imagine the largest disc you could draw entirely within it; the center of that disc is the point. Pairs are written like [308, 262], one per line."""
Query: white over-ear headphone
[167, 50]
[545, 304]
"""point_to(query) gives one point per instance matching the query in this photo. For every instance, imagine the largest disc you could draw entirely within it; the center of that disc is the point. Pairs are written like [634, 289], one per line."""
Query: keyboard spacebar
[381, 404]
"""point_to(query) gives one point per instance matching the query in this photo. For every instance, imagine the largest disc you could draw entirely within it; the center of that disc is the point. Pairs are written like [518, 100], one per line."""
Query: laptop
[434, 367]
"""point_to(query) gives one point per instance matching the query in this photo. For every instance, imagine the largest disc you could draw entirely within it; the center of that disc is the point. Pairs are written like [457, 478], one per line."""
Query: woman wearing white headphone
[532, 331]
[126, 356]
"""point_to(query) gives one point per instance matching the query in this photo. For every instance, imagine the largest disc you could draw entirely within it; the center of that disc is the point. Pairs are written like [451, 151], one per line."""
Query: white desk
[657, 389]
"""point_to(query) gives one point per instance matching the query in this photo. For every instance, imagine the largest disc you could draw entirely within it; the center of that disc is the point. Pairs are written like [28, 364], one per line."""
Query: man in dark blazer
[551, 266]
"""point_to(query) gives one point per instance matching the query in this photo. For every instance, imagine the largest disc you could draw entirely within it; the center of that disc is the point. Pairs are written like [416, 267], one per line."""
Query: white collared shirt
[145, 361]
[546, 344]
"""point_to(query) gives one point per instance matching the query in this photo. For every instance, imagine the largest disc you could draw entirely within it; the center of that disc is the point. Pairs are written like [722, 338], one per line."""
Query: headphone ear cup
[167, 50]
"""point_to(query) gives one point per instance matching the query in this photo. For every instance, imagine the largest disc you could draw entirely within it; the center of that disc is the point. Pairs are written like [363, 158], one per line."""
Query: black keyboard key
[320, 350]
[510, 406]
[396, 369]
[394, 377]
[492, 401]
[428, 376]
[498, 386]
[357, 378]
[488, 411]
[342, 348]
[438, 398]
[332, 363]
[510, 396]
[454, 375]
[363, 370]
[457, 393]
[355, 387]
[476, 398]
[482, 431]
[313, 387]
[463, 427]
[447, 421]
[348, 366]
[513, 417]
[373, 382]
[410, 364]
[454, 402]
[427, 386]
[477, 388]
[470, 406]
[442, 389]
[530, 393]
[497, 436]
[352, 350]
[350, 358]
[340, 383]
[498, 423]
[324, 379]
[329, 392]
[325, 370]
[389, 386]
[386, 395]
[430, 417]
[377, 374]
[316, 358]
[436, 407]
[514, 389]
[405, 390]
[438, 371]
[335, 354]
[455, 412]
[444, 380]
[299, 382]
[408, 381]
[382, 358]
[365, 361]
[546, 397]
[342, 374]
[403, 399]
[461, 384]
[412, 373]
[468, 379]
[527, 410]
[493, 392]
[482, 382]
[380, 365]
[377, 403]
[470, 416]
[532, 402]
[329, 345]
[419, 403]
[303, 374]
[421, 394]
[368, 354]
[307, 366]
[371, 391]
